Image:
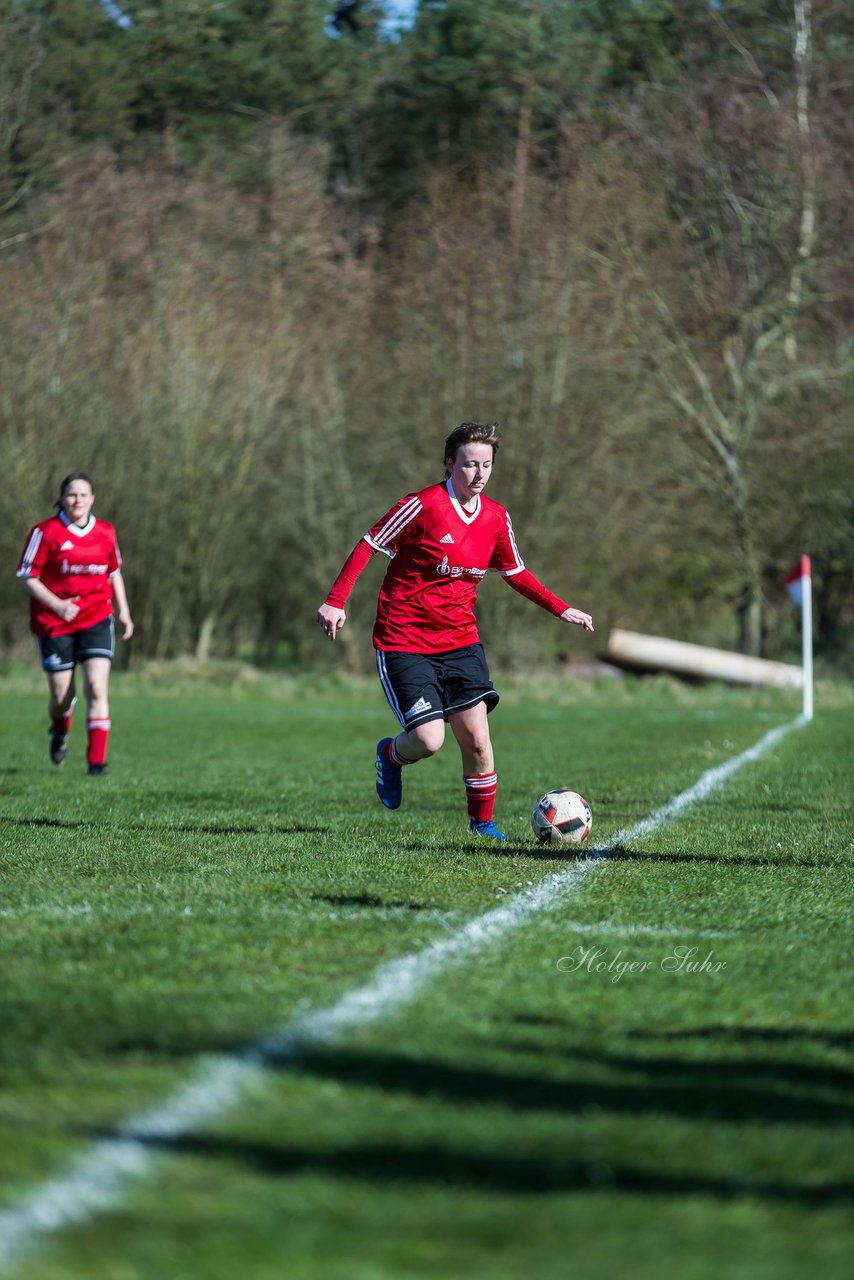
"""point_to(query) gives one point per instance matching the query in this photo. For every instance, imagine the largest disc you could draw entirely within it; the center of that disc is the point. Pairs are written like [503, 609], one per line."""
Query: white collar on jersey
[76, 528]
[465, 516]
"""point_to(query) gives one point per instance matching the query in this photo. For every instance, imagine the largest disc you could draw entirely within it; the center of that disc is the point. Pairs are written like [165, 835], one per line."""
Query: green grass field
[536, 1110]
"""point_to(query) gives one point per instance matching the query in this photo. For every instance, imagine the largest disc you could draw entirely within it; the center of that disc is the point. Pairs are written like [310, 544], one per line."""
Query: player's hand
[331, 619]
[69, 609]
[127, 622]
[578, 616]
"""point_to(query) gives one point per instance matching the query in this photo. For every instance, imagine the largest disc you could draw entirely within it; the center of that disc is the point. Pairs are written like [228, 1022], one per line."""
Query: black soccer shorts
[62, 653]
[431, 686]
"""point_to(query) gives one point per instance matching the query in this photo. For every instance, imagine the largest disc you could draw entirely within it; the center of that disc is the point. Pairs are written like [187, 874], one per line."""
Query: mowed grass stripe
[97, 1179]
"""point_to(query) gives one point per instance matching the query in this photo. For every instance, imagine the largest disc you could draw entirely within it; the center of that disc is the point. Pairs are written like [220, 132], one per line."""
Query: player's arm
[331, 615]
[65, 609]
[120, 596]
[33, 560]
[510, 565]
[531, 588]
[384, 536]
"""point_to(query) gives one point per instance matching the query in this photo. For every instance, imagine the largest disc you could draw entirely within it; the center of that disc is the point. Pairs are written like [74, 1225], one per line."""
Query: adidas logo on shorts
[421, 705]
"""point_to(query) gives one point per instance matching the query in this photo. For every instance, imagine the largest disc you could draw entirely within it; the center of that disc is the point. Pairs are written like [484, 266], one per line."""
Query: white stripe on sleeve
[26, 569]
[398, 521]
[520, 564]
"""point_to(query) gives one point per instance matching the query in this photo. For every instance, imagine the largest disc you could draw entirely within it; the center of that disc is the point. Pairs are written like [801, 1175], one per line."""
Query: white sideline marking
[97, 1179]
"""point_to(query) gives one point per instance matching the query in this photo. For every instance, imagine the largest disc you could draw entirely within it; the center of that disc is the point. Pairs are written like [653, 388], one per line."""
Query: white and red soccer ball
[561, 817]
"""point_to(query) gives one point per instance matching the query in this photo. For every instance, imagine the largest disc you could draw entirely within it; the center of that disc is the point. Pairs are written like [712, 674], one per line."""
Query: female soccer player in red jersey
[71, 570]
[441, 541]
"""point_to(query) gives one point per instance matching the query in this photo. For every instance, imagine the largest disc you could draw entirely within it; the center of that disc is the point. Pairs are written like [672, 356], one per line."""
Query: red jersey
[439, 555]
[71, 561]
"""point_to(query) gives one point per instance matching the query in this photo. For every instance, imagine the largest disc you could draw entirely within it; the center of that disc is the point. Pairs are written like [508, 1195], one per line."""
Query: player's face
[470, 470]
[77, 501]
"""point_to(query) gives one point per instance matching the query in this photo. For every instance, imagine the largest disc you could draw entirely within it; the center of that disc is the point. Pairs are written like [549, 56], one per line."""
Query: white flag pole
[806, 635]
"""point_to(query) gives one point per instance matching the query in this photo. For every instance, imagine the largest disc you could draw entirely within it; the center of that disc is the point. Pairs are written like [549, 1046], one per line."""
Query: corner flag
[794, 581]
[798, 583]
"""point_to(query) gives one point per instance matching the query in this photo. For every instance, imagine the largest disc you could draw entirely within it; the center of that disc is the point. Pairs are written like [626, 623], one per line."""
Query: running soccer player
[71, 570]
[441, 541]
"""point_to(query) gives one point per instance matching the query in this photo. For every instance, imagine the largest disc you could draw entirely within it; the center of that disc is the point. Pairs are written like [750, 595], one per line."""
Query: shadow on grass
[689, 1090]
[561, 855]
[532, 852]
[791, 1075]
[621, 853]
[770, 1035]
[364, 900]
[404, 843]
[191, 828]
[488, 1171]
[564, 854]
[45, 822]
[227, 829]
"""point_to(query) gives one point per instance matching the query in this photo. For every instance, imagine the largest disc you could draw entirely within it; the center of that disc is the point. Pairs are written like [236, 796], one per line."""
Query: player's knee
[430, 736]
[476, 739]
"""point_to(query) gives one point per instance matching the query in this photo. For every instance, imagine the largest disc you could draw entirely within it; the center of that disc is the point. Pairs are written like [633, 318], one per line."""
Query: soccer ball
[561, 817]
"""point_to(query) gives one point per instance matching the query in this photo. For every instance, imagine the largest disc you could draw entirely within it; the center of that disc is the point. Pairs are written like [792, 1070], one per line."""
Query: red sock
[62, 723]
[480, 795]
[99, 733]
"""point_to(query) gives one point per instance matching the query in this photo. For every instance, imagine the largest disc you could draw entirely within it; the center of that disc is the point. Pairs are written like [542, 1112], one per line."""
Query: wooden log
[696, 661]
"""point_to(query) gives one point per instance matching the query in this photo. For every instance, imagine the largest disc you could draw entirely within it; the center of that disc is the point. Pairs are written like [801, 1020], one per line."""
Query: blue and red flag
[794, 581]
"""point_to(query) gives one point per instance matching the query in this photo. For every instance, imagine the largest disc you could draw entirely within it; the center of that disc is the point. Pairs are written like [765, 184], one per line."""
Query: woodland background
[258, 257]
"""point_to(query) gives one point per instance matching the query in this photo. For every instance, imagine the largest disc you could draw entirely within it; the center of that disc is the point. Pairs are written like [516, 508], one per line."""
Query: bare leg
[96, 680]
[96, 684]
[392, 753]
[61, 686]
[422, 741]
[471, 730]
